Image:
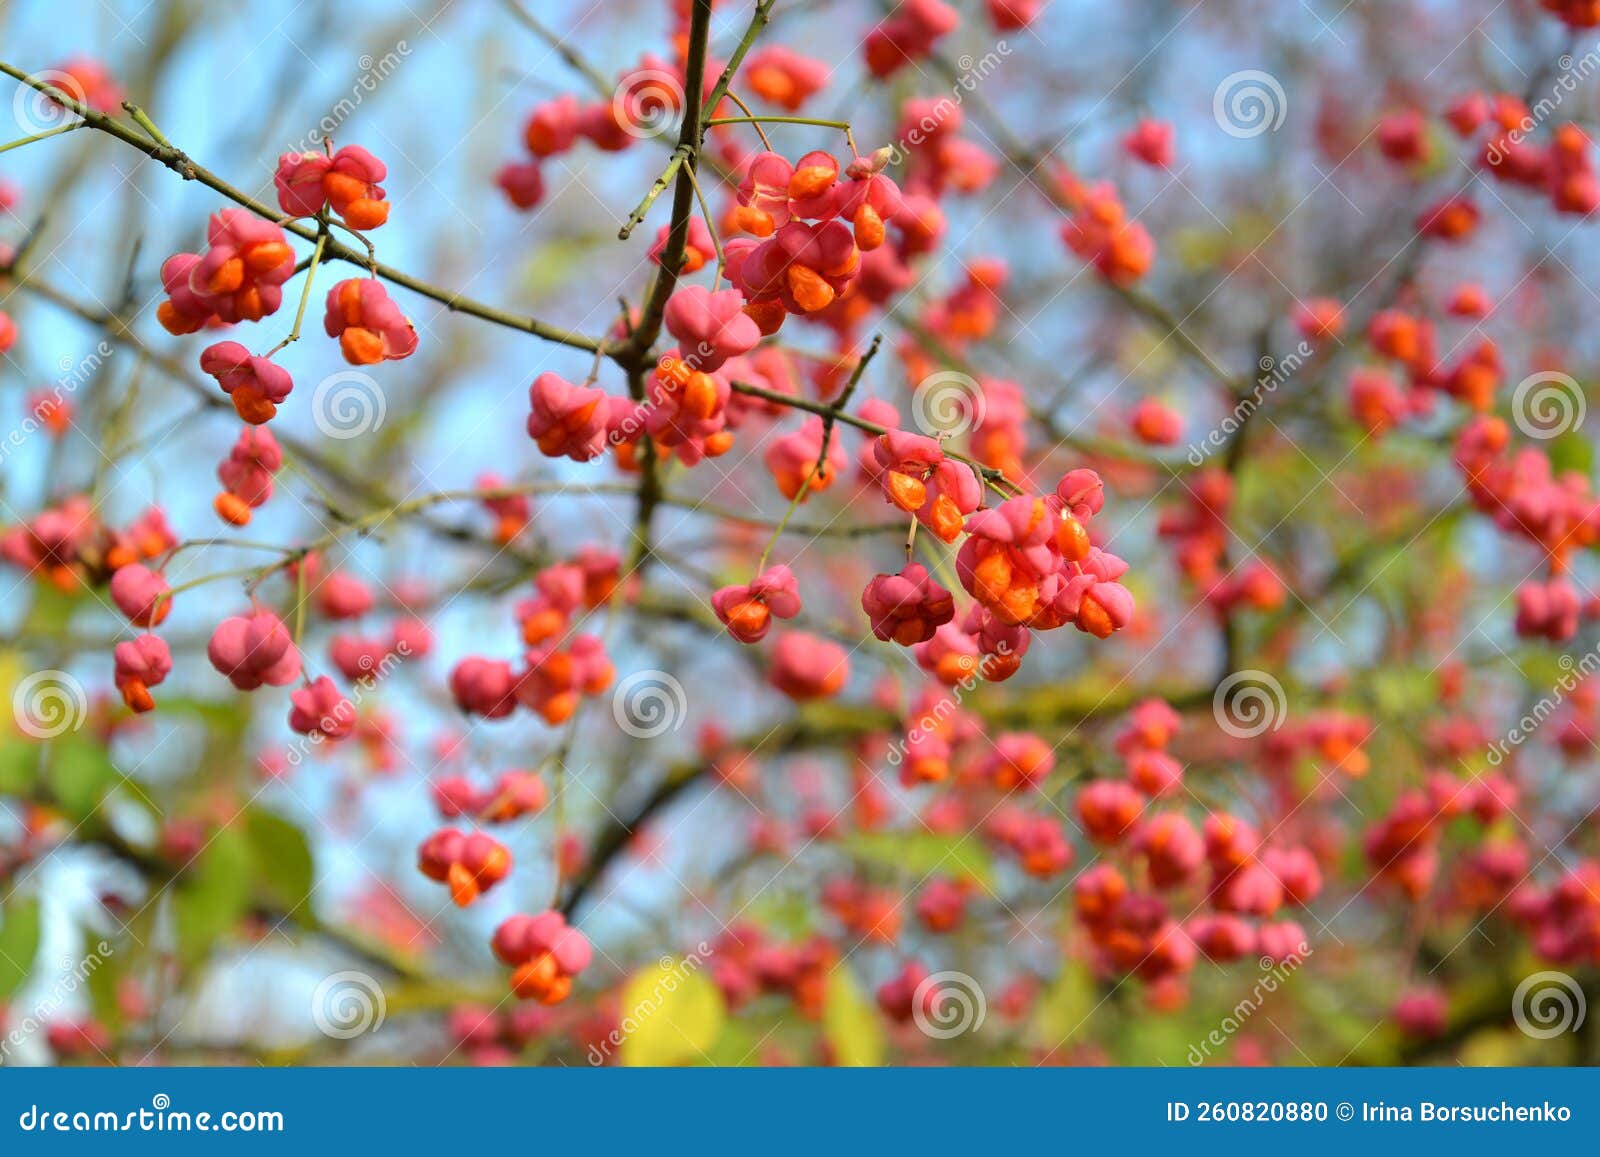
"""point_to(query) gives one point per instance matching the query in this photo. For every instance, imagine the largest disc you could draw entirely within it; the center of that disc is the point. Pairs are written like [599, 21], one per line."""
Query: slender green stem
[642, 210]
[938, 561]
[817, 471]
[711, 227]
[55, 132]
[372, 252]
[180, 163]
[237, 543]
[597, 79]
[305, 293]
[142, 119]
[758, 21]
[990, 475]
[746, 109]
[300, 601]
[794, 504]
[856, 374]
[842, 126]
[237, 572]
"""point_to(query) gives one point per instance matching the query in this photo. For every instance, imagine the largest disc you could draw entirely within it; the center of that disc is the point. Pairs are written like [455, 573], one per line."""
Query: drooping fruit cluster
[469, 862]
[238, 278]
[560, 664]
[545, 955]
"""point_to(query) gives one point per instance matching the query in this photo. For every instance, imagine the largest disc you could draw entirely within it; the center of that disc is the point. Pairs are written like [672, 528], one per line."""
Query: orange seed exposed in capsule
[812, 181]
[810, 291]
[869, 227]
[906, 492]
[251, 406]
[361, 347]
[749, 219]
[1072, 539]
[768, 316]
[232, 509]
[137, 696]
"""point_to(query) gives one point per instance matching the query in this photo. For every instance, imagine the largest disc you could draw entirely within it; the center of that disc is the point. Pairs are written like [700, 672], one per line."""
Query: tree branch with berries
[860, 512]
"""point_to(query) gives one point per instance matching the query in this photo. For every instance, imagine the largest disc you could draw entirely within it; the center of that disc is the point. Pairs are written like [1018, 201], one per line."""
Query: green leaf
[1572, 451]
[51, 610]
[924, 854]
[213, 893]
[672, 1014]
[101, 982]
[739, 1045]
[282, 858]
[226, 720]
[1198, 249]
[79, 774]
[552, 270]
[850, 1023]
[1398, 691]
[19, 763]
[789, 914]
[19, 942]
[1159, 1041]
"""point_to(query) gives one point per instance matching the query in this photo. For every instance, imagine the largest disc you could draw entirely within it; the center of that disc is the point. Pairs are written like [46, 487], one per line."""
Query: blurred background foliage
[310, 873]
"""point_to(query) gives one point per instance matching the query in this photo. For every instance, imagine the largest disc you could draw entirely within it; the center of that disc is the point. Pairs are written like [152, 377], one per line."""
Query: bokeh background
[1394, 582]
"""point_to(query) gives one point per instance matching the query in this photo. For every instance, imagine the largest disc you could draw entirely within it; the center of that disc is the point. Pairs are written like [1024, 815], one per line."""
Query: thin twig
[180, 163]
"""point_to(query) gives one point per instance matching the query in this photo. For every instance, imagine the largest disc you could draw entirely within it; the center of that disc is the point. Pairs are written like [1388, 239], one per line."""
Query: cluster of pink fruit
[1234, 885]
[241, 274]
[1525, 496]
[561, 664]
[545, 954]
[1028, 564]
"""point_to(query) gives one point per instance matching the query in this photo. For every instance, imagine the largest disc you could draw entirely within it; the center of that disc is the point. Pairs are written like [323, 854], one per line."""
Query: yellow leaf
[10, 673]
[1066, 1006]
[671, 1015]
[850, 1023]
